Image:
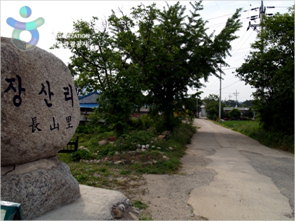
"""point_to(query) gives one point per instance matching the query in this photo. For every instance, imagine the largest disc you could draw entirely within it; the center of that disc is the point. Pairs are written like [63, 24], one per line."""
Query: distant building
[203, 111]
[87, 104]
[244, 110]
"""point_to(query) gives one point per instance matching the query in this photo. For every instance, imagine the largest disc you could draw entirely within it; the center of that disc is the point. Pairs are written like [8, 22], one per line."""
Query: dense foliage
[99, 66]
[235, 113]
[172, 50]
[159, 53]
[212, 107]
[270, 69]
[271, 139]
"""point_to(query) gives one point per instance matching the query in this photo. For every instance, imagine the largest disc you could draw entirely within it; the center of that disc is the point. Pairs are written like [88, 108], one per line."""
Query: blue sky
[60, 15]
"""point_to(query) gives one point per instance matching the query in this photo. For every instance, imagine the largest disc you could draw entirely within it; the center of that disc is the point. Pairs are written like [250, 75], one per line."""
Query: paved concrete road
[253, 182]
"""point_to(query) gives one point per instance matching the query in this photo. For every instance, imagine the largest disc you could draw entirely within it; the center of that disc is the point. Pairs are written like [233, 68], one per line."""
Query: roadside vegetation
[253, 129]
[270, 69]
[108, 160]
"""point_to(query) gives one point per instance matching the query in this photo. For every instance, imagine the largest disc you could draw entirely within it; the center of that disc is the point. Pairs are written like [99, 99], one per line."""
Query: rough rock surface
[39, 105]
[94, 204]
[39, 186]
[102, 142]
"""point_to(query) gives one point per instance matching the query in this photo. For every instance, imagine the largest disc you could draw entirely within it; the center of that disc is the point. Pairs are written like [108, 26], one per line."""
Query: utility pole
[262, 10]
[236, 94]
[261, 16]
[220, 98]
[197, 107]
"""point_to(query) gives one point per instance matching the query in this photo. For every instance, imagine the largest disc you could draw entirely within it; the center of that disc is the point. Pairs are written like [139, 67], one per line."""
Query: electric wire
[218, 17]
[245, 41]
[230, 84]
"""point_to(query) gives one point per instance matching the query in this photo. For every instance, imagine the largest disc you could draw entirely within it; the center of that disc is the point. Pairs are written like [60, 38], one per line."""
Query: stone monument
[39, 115]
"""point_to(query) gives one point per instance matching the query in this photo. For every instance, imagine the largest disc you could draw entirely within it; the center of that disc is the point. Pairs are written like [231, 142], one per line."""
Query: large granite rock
[94, 204]
[39, 106]
[39, 186]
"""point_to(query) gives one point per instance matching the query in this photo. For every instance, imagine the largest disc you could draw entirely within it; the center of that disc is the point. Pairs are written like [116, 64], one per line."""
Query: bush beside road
[254, 130]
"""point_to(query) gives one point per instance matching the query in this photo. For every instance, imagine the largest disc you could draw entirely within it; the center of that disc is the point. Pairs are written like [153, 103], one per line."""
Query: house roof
[239, 108]
[89, 100]
[88, 105]
[81, 98]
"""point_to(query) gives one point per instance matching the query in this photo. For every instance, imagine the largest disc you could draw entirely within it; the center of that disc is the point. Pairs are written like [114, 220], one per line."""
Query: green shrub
[138, 204]
[183, 133]
[158, 123]
[129, 141]
[142, 123]
[214, 117]
[108, 150]
[146, 121]
[80, 154]
[85, 129]
[235, 113]
[125, 172]
[82, 178]
[250, 113]
[253, 129]
[103, 169]
[136, 123]
[106, 134]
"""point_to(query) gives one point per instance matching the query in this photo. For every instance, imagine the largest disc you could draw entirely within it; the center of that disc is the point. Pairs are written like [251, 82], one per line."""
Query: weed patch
[125, 172]
[138, 204]
[119, 165]
[252, 129]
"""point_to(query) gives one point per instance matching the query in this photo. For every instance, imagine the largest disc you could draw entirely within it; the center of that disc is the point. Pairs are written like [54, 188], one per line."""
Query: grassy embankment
[255, 131]
[119, 165]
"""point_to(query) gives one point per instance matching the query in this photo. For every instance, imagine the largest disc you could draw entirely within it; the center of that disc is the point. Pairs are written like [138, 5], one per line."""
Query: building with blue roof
[87, 104]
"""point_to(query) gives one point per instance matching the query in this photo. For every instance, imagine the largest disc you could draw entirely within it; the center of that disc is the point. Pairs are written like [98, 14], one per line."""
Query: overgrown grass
[162, 156]
[138, 204]
[252, 129]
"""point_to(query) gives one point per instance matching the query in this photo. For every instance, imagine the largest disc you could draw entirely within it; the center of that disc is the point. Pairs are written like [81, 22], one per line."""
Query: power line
[242, 49]
[239, 42]
[230, 68]
[223, 23]
[230, 84]
[218, 17]
[218, 7]
[227, 15]
[246, 40]
[233, 62]
[215, 91]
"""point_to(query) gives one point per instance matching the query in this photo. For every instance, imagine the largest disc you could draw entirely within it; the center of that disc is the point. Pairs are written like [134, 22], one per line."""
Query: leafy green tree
[250, 113]
[162, 53]
[212, 106]
[270, 69]
[235, 113]
[101, 67]
[230, 103]
[247, 103]
[172, 50]
[191, 105]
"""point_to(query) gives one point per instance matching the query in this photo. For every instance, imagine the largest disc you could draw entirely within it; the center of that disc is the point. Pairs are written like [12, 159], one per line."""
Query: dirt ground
[167, 195]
